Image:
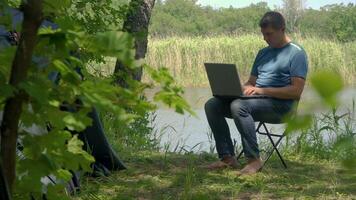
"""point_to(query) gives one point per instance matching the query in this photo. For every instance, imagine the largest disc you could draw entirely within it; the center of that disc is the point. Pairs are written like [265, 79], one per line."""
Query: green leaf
[75, 147]
[77, 122]
[6, 91]
[67, 73]
[6, 56]
[295, 123]
[327, 84]
[37, 88]
[14, 3]
[53, 153]
[54, 6]
[169, 93]
[113, 44]
[346, 146]
[56, 37]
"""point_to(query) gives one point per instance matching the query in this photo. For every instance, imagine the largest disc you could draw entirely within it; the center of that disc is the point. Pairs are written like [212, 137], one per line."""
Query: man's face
[272, 36]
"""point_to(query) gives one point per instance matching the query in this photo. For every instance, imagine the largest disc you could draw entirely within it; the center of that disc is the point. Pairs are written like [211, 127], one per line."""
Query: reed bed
[184, 56]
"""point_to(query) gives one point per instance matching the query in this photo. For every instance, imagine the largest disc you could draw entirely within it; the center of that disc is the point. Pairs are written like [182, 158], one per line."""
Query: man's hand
[251, 90]
[249, 87]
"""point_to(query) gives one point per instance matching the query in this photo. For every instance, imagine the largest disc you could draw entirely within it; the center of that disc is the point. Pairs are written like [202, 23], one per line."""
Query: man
[279, 71]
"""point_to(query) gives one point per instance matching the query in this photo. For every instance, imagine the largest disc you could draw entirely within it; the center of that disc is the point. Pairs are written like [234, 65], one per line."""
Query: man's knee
[212, 105]
[239, 108]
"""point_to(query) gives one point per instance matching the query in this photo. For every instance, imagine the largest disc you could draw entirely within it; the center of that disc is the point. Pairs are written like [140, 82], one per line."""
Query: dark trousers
[244, 112]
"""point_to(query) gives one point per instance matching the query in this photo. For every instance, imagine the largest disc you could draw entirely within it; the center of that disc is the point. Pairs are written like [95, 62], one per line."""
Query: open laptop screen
[223, 79]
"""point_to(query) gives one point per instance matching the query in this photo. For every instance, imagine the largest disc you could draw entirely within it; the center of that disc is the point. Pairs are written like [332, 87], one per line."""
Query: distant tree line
[187, 17]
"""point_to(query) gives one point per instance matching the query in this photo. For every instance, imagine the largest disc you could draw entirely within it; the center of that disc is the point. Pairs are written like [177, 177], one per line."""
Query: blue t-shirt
[274, 67]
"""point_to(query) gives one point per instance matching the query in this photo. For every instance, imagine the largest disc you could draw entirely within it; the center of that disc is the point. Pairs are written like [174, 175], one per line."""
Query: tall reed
[184, 56]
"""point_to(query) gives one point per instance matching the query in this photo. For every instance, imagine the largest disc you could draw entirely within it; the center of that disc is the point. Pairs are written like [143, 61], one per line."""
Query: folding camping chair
[274, 144]
[279, 137]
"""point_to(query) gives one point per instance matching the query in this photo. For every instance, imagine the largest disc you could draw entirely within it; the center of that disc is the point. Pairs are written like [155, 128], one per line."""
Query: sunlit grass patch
[184, 178]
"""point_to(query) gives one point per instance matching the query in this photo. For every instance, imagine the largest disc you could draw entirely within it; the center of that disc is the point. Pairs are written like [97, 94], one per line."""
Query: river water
[188, 133]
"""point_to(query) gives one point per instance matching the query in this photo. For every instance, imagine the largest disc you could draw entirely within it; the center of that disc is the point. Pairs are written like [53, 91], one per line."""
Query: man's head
[273, 27]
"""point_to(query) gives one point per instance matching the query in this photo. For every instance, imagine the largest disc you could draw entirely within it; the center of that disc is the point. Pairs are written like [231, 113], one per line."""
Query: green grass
[149, 177]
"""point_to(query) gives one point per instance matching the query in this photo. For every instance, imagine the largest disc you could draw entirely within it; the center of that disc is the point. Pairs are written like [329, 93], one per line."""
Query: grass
[149, 177]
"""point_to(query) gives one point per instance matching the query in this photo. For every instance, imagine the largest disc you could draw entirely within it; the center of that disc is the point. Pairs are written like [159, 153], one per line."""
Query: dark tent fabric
[95, 142]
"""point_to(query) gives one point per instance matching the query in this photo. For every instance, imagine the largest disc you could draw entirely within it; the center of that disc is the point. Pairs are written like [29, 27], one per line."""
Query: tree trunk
[32, 20]
[136, 23]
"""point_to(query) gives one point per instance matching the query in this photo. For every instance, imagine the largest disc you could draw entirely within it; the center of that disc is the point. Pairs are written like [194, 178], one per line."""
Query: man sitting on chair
[279, 71]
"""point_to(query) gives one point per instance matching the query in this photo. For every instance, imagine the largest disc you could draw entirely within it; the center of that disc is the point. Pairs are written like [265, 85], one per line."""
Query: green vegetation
[314, 170]
[184, 56]
[186, 17]
[316, 166]
[314, 154]
[59, 109]
[88, 38]
[181, 177]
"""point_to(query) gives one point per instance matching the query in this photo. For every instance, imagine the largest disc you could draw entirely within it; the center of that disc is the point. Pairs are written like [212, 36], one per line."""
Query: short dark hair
[273, 19]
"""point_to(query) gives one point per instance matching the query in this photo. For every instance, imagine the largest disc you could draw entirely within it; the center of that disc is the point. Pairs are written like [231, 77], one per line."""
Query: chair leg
[240, 154]
[275, 146]
[278, 153]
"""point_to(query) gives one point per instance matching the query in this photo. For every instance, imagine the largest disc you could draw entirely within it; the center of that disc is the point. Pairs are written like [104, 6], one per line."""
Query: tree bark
[32, 10]
[136, 22]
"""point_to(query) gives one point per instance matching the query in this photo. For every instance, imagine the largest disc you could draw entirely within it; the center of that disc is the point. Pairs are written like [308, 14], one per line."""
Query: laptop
[225, 82]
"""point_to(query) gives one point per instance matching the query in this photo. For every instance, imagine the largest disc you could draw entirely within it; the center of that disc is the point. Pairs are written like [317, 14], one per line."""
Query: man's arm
[292, 91]
[251, 81]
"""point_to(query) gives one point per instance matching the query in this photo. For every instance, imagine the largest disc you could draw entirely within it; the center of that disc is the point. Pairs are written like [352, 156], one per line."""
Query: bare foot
[252, 167]
[225, 162]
